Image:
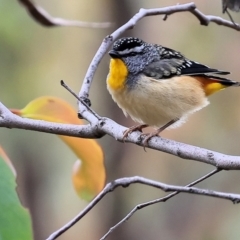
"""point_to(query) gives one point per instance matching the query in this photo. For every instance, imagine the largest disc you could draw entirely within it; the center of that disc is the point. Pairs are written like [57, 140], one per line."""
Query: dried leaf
[89, 171]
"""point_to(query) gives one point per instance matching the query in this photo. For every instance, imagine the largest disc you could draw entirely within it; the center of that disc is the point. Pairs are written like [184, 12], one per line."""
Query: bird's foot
[132, 129]
[148, 136]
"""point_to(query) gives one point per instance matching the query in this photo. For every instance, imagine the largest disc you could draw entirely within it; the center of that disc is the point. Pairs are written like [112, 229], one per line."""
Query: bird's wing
[173, 67]
[167, 68]
[195, 68]
[173, 63]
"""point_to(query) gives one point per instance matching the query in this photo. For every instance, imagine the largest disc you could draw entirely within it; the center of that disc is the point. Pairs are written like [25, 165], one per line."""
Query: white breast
[156, 102]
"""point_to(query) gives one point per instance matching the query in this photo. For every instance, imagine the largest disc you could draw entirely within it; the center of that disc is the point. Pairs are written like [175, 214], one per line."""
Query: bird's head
[134, 52]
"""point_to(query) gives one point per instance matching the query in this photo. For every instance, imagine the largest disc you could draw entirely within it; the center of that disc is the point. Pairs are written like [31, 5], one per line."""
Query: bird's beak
[113, 54]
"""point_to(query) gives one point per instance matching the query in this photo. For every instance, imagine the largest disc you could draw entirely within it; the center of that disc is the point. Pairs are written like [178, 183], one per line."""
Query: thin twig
[85, 102]
[126, 182]
[229, 15]
[45, 19]
[163, 199]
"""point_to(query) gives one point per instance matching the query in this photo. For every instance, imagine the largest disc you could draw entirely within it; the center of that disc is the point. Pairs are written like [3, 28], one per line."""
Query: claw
[148, 136]
[132, 129]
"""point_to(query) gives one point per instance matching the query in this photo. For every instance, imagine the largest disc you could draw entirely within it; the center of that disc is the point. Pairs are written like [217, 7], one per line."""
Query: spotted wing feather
[173, 63]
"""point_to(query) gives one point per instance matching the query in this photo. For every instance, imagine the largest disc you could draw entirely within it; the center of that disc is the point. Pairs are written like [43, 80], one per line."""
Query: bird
[158, 86]
[233, 5]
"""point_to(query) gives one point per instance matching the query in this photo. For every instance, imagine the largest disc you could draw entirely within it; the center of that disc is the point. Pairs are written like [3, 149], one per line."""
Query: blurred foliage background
[34, 59]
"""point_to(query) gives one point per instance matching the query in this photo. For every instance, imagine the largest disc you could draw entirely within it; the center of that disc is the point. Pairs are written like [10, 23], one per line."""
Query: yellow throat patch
[117, 74]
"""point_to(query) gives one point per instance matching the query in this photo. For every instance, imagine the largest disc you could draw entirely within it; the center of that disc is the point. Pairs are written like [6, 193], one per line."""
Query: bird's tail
[224, 81]
[212, 84]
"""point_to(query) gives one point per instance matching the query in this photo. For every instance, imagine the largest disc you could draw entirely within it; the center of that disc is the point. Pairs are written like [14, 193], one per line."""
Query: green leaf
[15, 221]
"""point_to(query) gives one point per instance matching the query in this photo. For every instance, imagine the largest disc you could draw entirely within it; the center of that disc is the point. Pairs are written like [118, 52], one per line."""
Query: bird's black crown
[127, 43]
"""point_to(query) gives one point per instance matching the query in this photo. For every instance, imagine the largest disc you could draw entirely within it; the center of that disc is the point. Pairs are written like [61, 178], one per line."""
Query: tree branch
[45, 19]
[163, 199]
[206, 19]
[10, 120]
[126, 182]
[108, 126]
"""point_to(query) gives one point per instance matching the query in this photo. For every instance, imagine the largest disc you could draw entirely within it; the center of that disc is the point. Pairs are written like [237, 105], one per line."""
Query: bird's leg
[155, 133]
[132, 129]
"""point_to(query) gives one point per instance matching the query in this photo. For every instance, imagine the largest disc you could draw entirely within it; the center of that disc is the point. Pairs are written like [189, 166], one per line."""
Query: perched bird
[157, 86]
[233, 5]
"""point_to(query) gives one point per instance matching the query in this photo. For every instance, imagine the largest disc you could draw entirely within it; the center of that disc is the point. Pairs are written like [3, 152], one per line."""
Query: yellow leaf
[89, 171]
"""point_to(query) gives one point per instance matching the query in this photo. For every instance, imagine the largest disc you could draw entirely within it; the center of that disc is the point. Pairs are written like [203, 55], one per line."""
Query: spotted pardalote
[157, 86]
